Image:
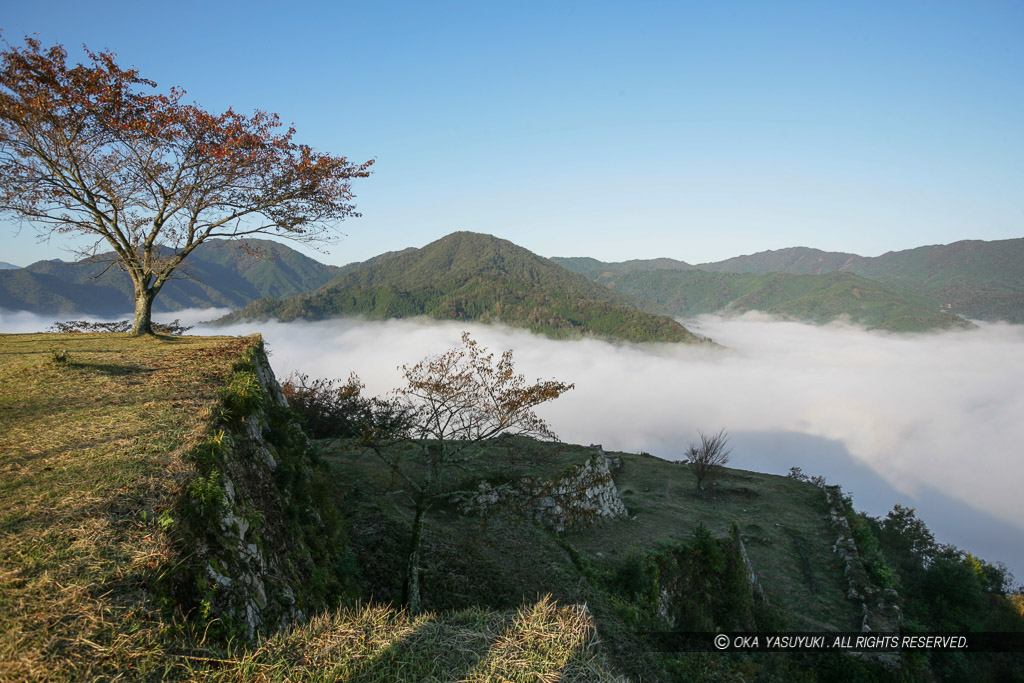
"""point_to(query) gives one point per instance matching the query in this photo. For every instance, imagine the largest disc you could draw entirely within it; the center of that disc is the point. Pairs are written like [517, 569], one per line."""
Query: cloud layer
[926, 420]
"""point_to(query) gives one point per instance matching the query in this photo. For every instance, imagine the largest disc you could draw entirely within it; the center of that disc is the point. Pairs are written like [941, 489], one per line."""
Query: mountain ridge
[471, 276]
[977, 279]
[219, 273]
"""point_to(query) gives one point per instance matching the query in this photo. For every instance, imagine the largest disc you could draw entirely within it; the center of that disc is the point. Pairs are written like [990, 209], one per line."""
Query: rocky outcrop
[584, 494]
[253, 533]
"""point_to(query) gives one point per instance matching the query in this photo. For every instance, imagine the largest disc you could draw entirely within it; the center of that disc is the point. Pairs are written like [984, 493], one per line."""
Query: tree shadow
[111, 369]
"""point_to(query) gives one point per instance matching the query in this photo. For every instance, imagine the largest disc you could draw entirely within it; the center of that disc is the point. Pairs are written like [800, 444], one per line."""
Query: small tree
[456, 402]
[84, 150]
[709, 457]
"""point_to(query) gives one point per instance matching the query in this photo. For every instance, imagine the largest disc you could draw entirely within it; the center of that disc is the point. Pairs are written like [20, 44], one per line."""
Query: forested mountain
[217, 273]
[973, 279]
[977, 279]
[813, 298]
[796, 260]
[469, 276]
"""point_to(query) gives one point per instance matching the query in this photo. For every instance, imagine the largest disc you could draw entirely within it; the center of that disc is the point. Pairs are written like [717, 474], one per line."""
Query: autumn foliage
[92, 149]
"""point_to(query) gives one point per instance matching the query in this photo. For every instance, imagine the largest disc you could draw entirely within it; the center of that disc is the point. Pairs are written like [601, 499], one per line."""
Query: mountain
[814, 298]
[4, 265]
[796, 260]
[973, 278]
[218, 273]
[593, 269]
[469, 276]
[977, 279]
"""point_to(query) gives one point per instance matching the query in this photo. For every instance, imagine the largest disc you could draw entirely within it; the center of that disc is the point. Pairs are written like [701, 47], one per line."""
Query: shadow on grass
[538, 643]
[111, 369]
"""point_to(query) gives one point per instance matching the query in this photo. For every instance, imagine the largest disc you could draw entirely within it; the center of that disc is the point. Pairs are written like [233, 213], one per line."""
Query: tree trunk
[412, 575]
[143, 324]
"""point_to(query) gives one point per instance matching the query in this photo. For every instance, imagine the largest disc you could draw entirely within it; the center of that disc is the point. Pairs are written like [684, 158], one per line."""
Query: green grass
[776, 516]
[503, 561]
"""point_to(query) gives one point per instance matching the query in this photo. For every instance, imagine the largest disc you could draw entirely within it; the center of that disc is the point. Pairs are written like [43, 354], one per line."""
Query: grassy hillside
[97, 440]
[91, 454]
[111, 448]
[467, 276]
[217, 273]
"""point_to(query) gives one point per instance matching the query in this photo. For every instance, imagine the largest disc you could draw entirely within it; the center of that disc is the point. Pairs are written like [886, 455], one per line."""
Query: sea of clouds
[932, 421]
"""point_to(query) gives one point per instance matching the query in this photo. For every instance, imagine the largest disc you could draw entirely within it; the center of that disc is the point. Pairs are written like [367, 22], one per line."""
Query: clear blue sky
[697, 131]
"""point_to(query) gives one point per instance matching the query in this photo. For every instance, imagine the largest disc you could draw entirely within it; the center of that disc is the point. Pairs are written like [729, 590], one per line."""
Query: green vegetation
[973, 278]
[227, 273]
[467, 276]
[814, 298]
[114, 453]
[981, 280]
[115, 458]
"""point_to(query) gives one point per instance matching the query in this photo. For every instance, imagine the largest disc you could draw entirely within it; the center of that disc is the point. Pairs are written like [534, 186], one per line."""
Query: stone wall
[247, 513]
[880, 610]
[582, 495]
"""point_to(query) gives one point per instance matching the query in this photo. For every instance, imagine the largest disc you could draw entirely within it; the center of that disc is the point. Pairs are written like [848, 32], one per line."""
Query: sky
[691, 130]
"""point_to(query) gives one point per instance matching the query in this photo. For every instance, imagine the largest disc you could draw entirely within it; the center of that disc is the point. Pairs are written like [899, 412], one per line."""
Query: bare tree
[457, 402]
[709, 457]
[83, 149]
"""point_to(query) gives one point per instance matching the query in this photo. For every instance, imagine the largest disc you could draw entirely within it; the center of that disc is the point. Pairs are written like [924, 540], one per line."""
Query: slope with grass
[469, 276]
[645, 573]
[156, 496]
[152, 493]
[219, 273]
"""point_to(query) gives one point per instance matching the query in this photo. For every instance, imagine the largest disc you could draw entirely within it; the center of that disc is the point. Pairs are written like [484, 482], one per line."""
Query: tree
[708, 457]
[454, 403]
[86, 150]
[907, 539]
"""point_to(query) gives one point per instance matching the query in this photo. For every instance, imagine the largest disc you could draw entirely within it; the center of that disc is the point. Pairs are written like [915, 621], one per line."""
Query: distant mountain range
[4, 265]
[812, 298]
[972, 279]
[469, 276]
[218, 273]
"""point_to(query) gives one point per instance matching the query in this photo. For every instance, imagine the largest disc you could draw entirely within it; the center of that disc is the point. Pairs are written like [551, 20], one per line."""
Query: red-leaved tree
[92, 149]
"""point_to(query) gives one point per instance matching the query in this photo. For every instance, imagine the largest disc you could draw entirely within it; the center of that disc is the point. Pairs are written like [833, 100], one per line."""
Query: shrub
[330, 409]
[74, 326]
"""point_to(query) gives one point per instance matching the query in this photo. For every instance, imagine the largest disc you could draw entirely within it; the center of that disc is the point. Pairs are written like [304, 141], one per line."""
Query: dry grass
[540, 643]
[93, 428]
[90, 455]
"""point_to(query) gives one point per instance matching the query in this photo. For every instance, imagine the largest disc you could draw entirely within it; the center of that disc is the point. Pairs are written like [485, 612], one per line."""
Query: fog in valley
[931, 421]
